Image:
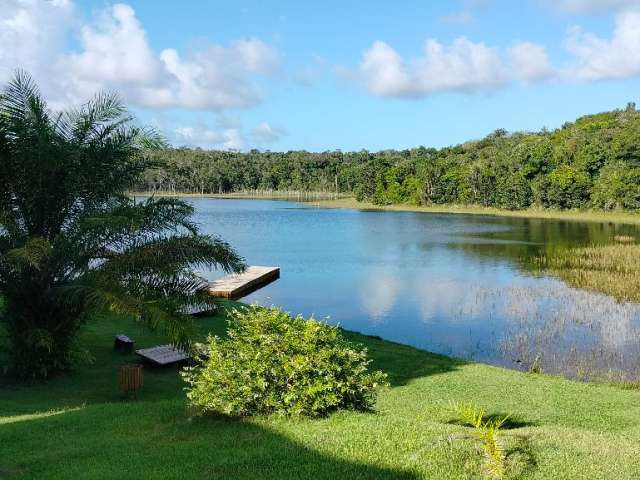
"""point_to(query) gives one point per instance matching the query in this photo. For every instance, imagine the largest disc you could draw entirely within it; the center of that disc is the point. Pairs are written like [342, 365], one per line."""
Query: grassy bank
[295, 195]
[337, 200]
[573, 215]
[78, 426]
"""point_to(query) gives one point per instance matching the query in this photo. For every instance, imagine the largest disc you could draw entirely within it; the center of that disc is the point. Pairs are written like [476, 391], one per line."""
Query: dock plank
[240, 284]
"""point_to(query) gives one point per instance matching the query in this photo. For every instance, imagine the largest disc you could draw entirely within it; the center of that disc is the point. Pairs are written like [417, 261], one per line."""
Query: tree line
[593, 162]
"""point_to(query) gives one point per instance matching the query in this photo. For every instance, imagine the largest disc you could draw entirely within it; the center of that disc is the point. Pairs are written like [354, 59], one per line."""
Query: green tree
[565, 187]
[618, 186]
[513, 192]
[73, 244]
[508, 170]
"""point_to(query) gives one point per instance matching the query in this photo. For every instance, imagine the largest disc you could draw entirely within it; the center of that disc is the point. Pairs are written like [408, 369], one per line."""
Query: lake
[448, 283]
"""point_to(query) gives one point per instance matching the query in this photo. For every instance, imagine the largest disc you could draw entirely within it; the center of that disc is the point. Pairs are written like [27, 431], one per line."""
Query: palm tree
[73, 244]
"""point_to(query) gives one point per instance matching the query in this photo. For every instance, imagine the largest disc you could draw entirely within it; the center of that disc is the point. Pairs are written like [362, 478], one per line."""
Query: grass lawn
[78, 426]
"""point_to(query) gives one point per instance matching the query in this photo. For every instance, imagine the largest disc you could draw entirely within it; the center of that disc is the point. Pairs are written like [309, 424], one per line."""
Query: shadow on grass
[401, 362]
[97, 383]
[162, 442]
[153, 438]
[520, 457]
[511, 423]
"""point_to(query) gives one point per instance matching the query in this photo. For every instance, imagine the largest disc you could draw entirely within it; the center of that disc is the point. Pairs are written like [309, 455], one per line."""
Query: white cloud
[467, 13]
[115, 54]
[116, 50]
[210, 79]
[378, 294]
[471, 67]
[599, 59]
[265, 133]
[255, 56]
[591, 6]
[463, 17]
[530, 62]
[462, 66]
[204, 137]
[227, 134]
[32, 32]
[313, 72]
[384, 72]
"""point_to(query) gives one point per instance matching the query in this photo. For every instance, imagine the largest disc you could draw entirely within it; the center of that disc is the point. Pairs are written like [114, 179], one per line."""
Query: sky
[350, 75]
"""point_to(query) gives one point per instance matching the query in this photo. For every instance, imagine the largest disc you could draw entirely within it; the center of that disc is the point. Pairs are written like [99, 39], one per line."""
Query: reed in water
[610, 269]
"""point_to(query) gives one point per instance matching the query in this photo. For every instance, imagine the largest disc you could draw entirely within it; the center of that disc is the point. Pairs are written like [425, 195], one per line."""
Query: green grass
[632, 218]
[79, 426]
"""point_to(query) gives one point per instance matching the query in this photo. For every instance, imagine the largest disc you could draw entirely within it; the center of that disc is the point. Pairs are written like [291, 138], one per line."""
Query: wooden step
[240, 284]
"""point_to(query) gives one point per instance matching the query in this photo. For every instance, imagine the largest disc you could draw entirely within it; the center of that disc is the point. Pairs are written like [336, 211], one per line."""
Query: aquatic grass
[572, 332]
[610, 269]
[536, 366]
[630, 218]
[624, 238]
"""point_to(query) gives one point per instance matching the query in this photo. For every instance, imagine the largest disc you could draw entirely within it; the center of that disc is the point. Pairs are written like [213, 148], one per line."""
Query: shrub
[274, 363]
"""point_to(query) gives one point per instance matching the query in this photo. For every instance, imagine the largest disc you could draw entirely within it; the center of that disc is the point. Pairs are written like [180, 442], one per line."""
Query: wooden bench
[163, 355]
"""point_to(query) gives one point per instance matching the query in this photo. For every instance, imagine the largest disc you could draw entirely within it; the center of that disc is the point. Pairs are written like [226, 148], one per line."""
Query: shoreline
[347, 202]
[569, 215]
[266, 195]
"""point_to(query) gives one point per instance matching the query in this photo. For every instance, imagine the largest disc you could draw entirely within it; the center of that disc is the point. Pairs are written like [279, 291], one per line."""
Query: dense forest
[593, 162]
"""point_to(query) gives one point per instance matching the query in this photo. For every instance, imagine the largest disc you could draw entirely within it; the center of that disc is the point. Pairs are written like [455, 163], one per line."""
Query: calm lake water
[452, 284]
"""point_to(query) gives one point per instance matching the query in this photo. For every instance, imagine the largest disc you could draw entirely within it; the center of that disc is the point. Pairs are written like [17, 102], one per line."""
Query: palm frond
[175, 253]
[151, 139]
[34, 253]
[84, 123]
[72, 243]
[153, 309]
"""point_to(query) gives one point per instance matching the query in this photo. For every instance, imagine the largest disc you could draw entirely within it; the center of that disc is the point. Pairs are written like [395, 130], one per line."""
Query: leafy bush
[274, 363]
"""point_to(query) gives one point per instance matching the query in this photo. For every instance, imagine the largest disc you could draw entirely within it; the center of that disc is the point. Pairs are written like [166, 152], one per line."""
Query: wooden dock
[163, 354]
[241, 284]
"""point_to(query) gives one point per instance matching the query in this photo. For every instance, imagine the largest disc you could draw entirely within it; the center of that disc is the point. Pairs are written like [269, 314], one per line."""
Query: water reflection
[378, 294]
[575, 332]
[452, 284]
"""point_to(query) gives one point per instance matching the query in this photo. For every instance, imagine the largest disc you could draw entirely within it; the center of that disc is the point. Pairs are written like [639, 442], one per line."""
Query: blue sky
[283, 75]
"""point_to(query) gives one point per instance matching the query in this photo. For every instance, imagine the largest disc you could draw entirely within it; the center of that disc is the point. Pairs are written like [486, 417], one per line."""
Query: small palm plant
[72, 243]
[488, 433]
